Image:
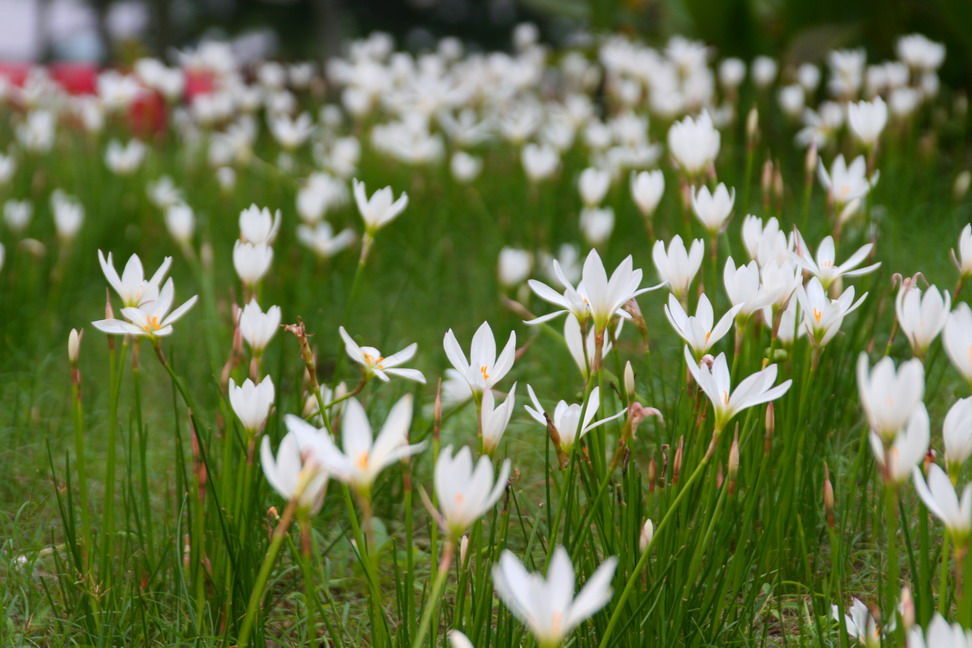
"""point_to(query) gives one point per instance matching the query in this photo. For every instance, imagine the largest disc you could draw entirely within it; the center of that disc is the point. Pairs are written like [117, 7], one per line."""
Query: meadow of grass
[135, 509]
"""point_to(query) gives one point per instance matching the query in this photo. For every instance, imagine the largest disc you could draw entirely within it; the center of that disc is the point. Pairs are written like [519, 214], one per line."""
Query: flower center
[707, 334]
[725, 398]
[483, 370]
[151, 323]
[817, 315]
[372, 362]
[362, 461]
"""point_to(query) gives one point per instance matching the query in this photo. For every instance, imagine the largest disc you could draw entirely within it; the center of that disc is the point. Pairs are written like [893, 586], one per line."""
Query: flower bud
[677, 462]
[463, 549]
[810, 162]
[652, 475]
[74, 346]
[752, 125]
[629, 380]
[828, 497]
[647, 534]
[961, 186]
[906, 607]
[734, 456]
[770, 427]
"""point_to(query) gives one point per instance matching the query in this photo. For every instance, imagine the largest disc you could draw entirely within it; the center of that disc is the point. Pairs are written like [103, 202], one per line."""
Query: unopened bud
[906, 607]
[778, 184]
[206, 255]
[74, 346]
[766, 178]
[752, 125]
[677, 463]
[652, 475]
[734, 457]
[647, 534]
[770, 428]
[629, 380]
[828, 497]
[962, 183]
[463, 549]
[810, 162]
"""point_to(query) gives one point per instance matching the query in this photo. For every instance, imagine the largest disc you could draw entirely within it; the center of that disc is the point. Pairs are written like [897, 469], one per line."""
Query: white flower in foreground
[379, 366]
[860, 624]
[547, 606]
[713, 377]
[957, 432]
[131, 286]
[867, 120]
[483, 369]
[845, 184]
[698, 330]
[322, 240]
[459, 640]
[940, 497]
[897, 459]
[822, 316]
[292, 474]
[466, 492]
[922, 316]
[940, 634]
[713, 208]
[251, 261]
[257, 327]
[259, 225]
[605, 296]
[963, 260]
[593, 185]
[744, 288]
[513, 266]
[958, 340]
[889, 397]
[362, 457]
[694, 143]
[571, 301]
[495, 418]
[380, 209]
[825, 266]
[252, 402]
[677, 267]
[152, 317]
[567, 418]
[647, 188]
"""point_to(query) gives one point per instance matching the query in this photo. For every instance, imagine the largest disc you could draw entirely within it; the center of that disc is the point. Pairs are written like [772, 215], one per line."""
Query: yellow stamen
[362, 462]
[708, 333]
[817, 315]
[725, 397]
[151, 323]
[483, 371]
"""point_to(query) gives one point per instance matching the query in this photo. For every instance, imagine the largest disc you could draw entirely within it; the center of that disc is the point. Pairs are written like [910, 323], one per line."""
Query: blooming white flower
[860, 624]
[259, 225]
[8, 166]
[459, 640]
[940, 634]
[940, 497]
[290, 133]
[647, 188]
[131, 286]
[252, 402]
[744, 289]
[466, 493]
[604, 296]
[714, 379]
[362, 457]
[257, 327]
[483, 369]
[919, 52]
[845, 184]
[465, 167]
[677, 267]
[922, 316]
[694, 143]
[494, 418]
[318, 194]
[957, 339]
[957, 432]
[124, 159]
[68, 214]
[823, 316]
[17, 214]
[251, 261]
[567, 418]
[379, 366]
[897, 458]
[867, 120]
[513, 266]
[380, 209]
[540, 161]
[825, 267]
[889, 396]
[180, 220]
[764, 71]
[713, 208]
[151, 317]
[547, 606]
[593, 185]
[293, 474]
[596, 225]
[164, 192]
[322, 240]
[698, 330]
[963, 259]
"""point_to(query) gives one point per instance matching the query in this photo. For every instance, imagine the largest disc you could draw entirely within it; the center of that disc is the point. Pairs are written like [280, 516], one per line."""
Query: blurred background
[118, 31]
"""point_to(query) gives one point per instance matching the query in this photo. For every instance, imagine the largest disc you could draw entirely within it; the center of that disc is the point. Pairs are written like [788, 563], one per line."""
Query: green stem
[432, 604]
[256, 595]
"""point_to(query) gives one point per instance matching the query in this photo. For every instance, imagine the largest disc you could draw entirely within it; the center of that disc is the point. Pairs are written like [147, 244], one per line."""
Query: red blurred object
[148, 114]
[75, 78]
[198, 82]
[15, 72]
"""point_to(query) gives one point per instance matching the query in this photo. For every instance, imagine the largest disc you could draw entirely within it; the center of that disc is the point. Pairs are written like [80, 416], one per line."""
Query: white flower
[958, 340]
[698, 330]
[459, 640]
[593, 185]
[922, 316]
[676, 267]
[259, 225]
[361, 457]
[318, 194]
[131, 286]
[17, 214]
[919, 52]
[125, 159]
[604, 296]
[567, 418]
[907, 449]
[320, 238]
[963, 260]
[493, 420]
[792, 100]
[257, 327]
[547, 606]
[539, 161]
[582, 350]
[823, 316]
[940, 497]
[744, 289]
[596, 224]
[293, 474]
[940, 634]
[8, 166]
[251, 403]
[694, 143]
[380, 209]
[732, 71]
[151, 317]
[68, 214]
[825, 267]
[713, 209]
[860, 624]
[466, 493]
[571, 301]
[483, 369]
[251, 261]
[465, 167]
[889, 397]
[780, 281]
[957, 432]
[647, 188]
[867, 120]
[181, 222]
[713, 377]
[291, 133]
[513, 266]
[845, 184]
[764, 71]
[379, 366]
[163, 192]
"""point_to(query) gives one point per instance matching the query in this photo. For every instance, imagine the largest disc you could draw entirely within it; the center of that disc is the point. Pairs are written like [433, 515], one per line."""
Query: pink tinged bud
[647, 534]
[74, 346]
[629, 380]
